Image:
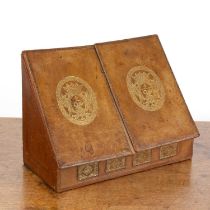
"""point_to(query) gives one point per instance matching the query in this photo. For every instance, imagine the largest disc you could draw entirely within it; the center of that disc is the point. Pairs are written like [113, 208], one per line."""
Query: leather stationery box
[98, 112]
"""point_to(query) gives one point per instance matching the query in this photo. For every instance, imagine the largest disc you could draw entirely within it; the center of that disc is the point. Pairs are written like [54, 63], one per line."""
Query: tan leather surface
[105, 136]
[146, 129]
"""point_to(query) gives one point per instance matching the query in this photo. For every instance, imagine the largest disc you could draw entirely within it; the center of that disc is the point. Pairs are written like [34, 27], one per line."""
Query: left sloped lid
[79, 111]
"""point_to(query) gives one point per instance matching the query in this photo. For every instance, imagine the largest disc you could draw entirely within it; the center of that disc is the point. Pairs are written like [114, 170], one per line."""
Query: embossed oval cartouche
[76, 100]
[145, 88]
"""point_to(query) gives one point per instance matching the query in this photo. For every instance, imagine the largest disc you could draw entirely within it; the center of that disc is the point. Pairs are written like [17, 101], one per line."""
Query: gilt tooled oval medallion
[145, 88]
[76, 100]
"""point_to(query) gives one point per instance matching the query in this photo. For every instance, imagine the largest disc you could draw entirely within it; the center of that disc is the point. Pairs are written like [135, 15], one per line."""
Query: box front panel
[70, 177]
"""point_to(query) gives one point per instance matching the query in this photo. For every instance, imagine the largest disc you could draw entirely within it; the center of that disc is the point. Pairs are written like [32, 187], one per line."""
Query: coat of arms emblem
[145, 88]
[76, 100]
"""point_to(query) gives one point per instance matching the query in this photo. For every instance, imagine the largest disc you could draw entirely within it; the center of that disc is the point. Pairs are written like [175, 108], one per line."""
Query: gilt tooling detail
[87, 170]
[167, 151]
[142, 157]
[115, 164]
[76, 100]
[145, 88]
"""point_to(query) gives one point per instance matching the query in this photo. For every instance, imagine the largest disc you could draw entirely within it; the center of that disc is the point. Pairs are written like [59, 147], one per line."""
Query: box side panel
[37, 151]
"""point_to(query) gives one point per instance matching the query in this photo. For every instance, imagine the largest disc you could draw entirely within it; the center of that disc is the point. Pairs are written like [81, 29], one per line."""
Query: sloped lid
[83, 122]
[146, 92]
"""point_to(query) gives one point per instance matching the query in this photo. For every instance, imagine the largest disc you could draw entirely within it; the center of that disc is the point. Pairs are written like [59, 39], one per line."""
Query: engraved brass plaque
[142, 157]
[115, 164]
[145, 88]
[87, 171]
[76, 100]
[168, 151]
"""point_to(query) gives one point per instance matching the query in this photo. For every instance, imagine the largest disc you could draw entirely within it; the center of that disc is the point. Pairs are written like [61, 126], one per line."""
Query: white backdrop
[182, 26]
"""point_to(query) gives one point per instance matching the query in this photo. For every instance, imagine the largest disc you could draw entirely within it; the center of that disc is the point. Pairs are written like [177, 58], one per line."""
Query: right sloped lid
[146, 93]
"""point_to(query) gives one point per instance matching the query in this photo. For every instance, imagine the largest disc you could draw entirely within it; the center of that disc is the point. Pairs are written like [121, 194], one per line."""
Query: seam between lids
[116, 103]
[113, 102]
